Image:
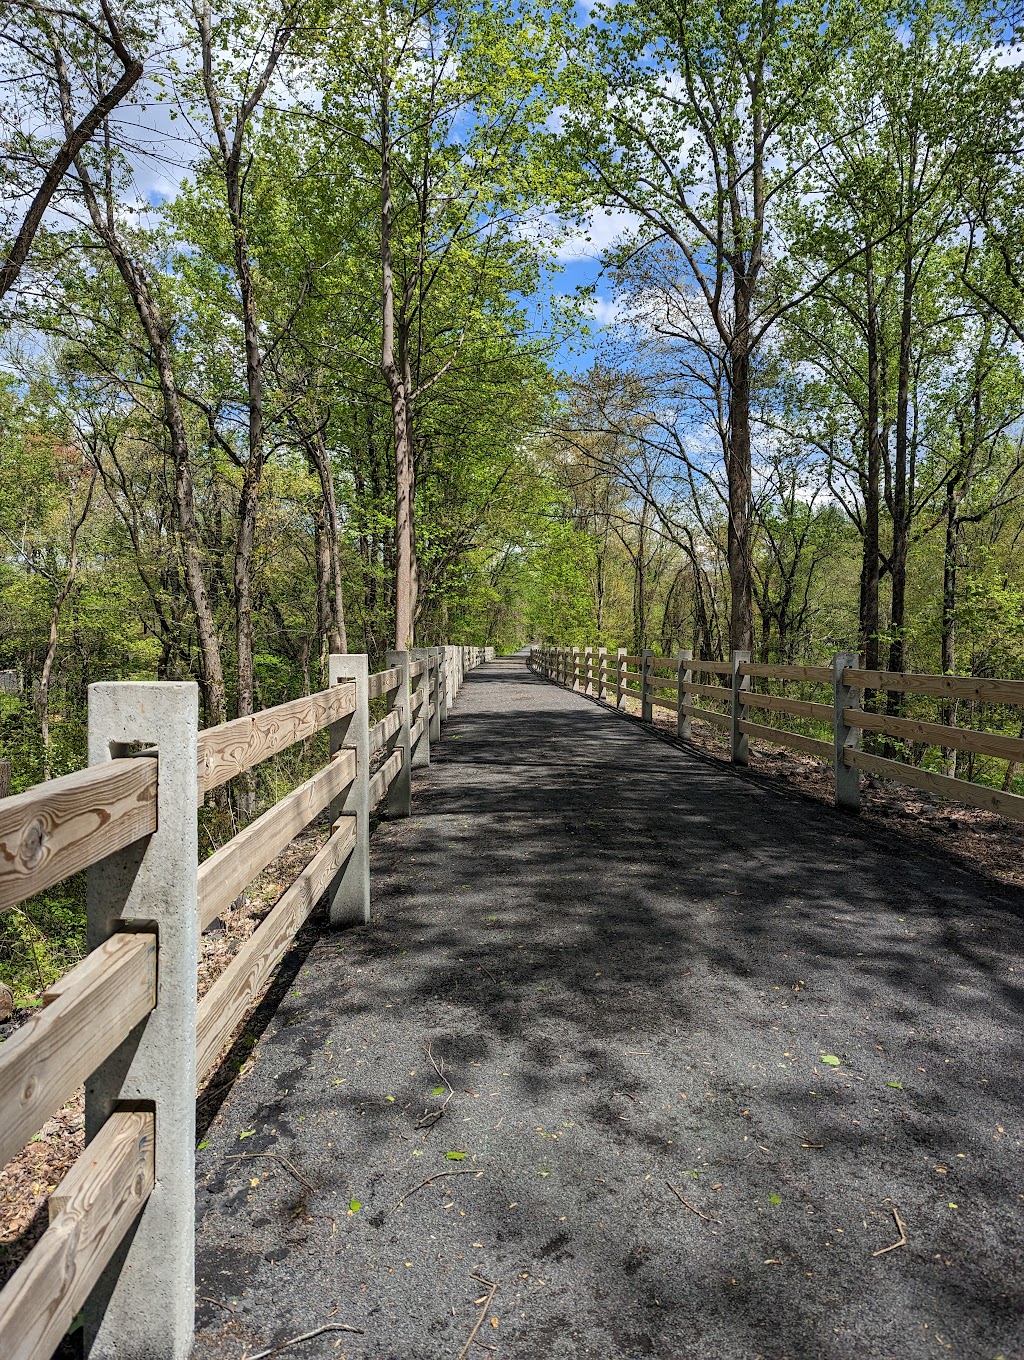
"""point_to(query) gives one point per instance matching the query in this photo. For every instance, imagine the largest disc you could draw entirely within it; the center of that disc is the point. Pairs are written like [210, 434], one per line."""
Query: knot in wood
[33, 843]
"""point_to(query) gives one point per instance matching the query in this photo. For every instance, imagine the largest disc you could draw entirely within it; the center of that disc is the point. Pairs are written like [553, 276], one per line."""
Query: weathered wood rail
[125, 1021]
[669, 683]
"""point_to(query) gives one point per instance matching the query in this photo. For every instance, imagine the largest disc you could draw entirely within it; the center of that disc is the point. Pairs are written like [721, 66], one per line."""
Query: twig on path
[438, 1175]
[692, 1208]
[430, 1117]
[306, 1336]
[903, 1235]
[493, 979]
[626, 1094]
[217, 1303]
[480, 1320]
[274, 1157]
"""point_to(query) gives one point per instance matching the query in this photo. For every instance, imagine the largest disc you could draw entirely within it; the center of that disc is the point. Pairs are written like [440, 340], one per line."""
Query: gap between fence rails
[592, 671]
[121, 1240]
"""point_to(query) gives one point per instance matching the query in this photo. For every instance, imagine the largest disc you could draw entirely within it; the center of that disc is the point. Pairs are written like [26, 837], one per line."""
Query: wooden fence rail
[125, 1020]
[607, 676]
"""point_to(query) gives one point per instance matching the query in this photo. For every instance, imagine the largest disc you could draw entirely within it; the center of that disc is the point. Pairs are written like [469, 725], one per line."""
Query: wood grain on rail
[60, 827]
[381, 781]
[794, 740]
[233, 747]
[956, 790]
[819, 675]
[775, 703]
[382, 732]
[90, 1212]
[938, 734]
[223, 876]
[240, 985]
[707, 715]
[940, 686]
[708, 691]
[383, 682]
[89, 1012]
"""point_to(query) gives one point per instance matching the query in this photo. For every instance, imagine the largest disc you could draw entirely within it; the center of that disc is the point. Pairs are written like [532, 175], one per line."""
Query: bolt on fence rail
[729, 684]
[121, 1240]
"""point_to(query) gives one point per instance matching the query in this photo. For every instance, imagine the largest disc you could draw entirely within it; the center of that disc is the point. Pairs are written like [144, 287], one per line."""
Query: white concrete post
[620, 680]
[684, 677]
[577, 684]
[844, 697]
[442, 684]
[602, 674]
[740, 740]
[350, 891]
[400, 788]
[646, 676]
[421, 745]
[144, 1303]
[434, 692]
[588, 670]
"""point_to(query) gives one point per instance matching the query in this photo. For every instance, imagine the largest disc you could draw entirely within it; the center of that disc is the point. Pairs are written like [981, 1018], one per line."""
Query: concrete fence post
[574, 669]
[588, 670]
[421, 746]
[646, 676]
[844, 697]
[442, 683]
[684, 677]
[350, 891]
[740, 683]
[400, 788]
[144, 1303]
[434, 693]
[620, 679]
[602, 674]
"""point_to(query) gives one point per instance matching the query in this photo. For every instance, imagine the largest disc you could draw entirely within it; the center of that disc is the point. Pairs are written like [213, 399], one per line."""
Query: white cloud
[607, 311]
[590, 241]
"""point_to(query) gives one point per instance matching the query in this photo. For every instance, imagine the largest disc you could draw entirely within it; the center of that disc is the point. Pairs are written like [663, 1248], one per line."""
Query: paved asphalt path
[635, 967]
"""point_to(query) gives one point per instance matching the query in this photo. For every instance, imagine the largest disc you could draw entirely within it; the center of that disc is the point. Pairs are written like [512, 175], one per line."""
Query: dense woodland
[327, 390]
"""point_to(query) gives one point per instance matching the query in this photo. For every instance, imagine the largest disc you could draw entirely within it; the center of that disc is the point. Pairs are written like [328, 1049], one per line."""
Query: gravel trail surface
[682, 1053]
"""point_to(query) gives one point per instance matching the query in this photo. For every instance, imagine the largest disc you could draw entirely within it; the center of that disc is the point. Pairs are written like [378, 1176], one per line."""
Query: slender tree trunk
[902, 491]
[949, 573]
[872, 482]
[397, 390]
[321, 460]
[741, 612]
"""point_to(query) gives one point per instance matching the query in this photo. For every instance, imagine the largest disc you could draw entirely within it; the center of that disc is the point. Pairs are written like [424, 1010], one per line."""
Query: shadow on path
[630, 965]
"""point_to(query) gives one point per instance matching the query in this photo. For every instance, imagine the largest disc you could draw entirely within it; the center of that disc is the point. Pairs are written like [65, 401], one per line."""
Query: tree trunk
[334, 621]
[872, 480]
[949, 569]
[397, 389]
[902, 490]
[741, 612]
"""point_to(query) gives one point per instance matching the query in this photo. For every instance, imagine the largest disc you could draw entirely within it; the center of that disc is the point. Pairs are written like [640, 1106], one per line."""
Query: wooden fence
[121, 1237]
[726, 694]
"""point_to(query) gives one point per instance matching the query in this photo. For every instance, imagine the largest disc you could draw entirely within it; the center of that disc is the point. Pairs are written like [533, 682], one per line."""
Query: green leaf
[774, 1199]
[437, 1090]
[390, 1099]
[354, 1206]
[830, 1060]
[247, 1133]
[201, 1147]
[454, 1156]
[896, 1085]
